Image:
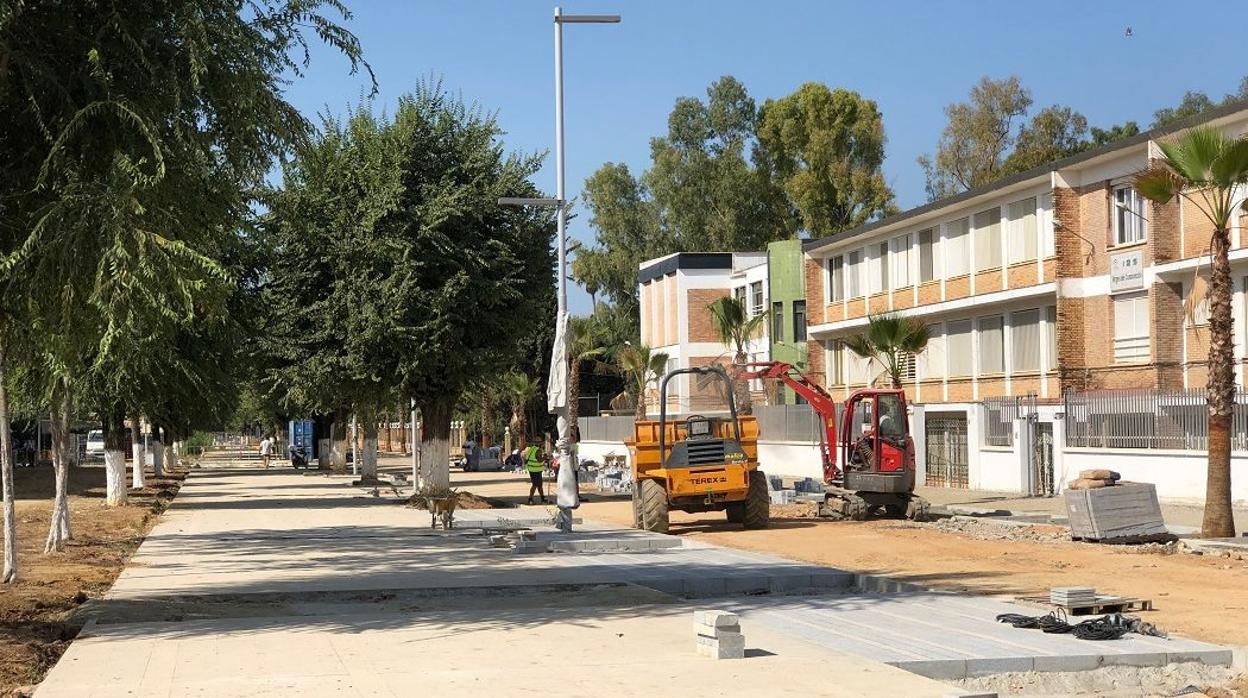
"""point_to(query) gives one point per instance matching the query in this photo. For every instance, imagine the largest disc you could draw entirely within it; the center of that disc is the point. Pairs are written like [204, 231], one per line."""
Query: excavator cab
[877, 452]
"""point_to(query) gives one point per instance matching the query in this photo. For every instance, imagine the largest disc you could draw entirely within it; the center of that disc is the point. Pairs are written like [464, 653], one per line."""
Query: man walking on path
[266, 450]
[535, 466]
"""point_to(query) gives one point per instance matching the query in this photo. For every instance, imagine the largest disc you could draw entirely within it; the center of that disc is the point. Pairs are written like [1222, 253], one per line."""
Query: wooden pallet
[1103, 604]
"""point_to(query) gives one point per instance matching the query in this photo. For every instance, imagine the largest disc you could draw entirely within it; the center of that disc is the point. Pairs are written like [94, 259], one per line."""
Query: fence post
[1059, 452]
[1022, 455]
[918, 435]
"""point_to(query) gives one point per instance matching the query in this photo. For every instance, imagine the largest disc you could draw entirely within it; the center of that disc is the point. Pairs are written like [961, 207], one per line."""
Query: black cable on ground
[1109, 627]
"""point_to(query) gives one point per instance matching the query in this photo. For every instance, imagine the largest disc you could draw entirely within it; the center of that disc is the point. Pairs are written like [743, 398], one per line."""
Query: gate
[948, 454]
[1042, 458]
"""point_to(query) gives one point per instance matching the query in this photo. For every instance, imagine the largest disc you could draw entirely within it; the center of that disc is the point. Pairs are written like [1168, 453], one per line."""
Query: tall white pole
[566, 489]
[415, 448]
[355, 456]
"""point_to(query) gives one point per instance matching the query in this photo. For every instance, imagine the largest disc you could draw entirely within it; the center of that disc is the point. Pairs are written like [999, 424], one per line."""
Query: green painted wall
[787, 284]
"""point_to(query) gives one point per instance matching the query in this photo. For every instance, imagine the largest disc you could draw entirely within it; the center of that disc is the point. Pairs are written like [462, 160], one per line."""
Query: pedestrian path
[274, 583]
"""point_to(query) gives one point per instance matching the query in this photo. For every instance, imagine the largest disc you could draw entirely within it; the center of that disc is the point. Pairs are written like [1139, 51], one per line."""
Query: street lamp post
[568, 497]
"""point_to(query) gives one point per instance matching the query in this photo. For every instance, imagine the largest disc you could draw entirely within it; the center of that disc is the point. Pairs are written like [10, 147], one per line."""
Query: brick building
[1061, 278]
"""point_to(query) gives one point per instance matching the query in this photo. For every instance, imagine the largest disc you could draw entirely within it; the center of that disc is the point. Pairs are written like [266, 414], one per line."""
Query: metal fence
[1147, 419]
[797, 423]
[999, 416]
[605, 428]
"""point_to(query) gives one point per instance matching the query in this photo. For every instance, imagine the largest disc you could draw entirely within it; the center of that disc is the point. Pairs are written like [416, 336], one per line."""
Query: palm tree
[521, 390]
[891, 341]
[586, 344]
[1205, 168]
[736, 328]
[641, 368]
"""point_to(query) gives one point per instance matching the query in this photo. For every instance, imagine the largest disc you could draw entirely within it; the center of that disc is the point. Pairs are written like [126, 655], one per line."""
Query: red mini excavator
[876, 452]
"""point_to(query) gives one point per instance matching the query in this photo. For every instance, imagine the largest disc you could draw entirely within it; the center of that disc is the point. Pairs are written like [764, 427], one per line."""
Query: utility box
[1125, 512]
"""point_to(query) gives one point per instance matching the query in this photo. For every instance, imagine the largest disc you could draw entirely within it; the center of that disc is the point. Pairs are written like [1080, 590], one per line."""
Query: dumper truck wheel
[736, 512]
[757, 502]
[653, 506]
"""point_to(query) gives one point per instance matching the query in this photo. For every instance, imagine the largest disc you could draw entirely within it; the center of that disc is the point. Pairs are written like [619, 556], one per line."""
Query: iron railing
[999, 416]
[1147, 419]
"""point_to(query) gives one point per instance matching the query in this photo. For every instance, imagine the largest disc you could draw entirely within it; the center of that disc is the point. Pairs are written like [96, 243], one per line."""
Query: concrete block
[746, 584]
[716, 619]
[985, 666]
[1216, 657]
[831, 580]
[664, 543]
[1239, 658]
[525, 547]
[728, 646]
[782, 583]
[1135, 659]
[939, 669]
[712, 631]
[704, 587]
[1067, 662]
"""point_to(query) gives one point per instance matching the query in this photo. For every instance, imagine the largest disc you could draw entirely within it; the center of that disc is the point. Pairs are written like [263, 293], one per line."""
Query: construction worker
[535, 466]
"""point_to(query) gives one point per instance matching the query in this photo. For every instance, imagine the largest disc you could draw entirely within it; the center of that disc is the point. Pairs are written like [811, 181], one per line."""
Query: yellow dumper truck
[698, 463]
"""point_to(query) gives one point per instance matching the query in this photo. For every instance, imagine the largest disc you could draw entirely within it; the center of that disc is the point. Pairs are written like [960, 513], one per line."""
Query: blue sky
[911, 57]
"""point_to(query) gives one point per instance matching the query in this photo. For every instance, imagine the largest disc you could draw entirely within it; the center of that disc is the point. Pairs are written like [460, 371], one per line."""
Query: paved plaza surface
[277, 583]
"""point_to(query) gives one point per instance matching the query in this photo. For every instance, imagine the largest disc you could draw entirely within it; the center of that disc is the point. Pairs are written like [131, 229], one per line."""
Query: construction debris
[718, 635]
[1094, 479]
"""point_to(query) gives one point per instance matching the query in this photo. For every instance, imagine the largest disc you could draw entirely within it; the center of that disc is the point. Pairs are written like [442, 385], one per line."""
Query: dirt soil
[1200, 597]
[36, 614]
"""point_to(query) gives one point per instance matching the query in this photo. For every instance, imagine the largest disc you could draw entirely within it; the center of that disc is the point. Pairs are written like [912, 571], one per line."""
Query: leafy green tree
[736, 328]
[1207, 169]
[892, 341]
[399, 273]
[974, 143]
[702, 192]
[1116, 132]
[136, 135]
[521, 391]
[1193, 103]
[641, 368]
[1052, 134]
[826, 148]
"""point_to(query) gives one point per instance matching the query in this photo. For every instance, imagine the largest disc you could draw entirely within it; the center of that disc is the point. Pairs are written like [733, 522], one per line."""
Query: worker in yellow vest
[535, 465]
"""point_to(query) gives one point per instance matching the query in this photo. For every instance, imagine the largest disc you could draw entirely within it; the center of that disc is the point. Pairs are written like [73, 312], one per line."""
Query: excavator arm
[816, 396]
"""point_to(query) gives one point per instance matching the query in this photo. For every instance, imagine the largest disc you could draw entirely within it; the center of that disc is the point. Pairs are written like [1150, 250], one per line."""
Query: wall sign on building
[1126, 271]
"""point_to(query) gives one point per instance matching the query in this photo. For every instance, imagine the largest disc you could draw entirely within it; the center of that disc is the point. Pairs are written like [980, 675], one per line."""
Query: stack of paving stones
[1072, 596]
[718, 635]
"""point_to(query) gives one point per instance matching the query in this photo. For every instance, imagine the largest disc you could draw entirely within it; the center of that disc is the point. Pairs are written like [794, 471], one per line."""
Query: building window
[927, 255]
[756, 298]
[799, 321]
[1025, 341]
[932, 360]
[988, 239]
[900, 258]
[836, 363]
[879, 269]
[956, 249]
[777, 321]
[1050, 314]
[836, 278]
[958, 348]
[1047, 246]
[739, 294]
[853, 275]
[1021, 241]
[991, 345]
[1129, 223]
[1131, 328]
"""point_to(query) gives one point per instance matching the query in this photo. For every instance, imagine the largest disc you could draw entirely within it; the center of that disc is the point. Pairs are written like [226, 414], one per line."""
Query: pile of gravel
[987, 529]
[1117, 681]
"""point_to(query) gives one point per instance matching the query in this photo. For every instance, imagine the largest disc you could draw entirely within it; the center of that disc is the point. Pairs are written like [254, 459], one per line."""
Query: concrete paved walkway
[275, 583]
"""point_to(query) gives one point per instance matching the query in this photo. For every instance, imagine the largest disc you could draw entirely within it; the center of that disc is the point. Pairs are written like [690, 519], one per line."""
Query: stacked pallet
[1127, 512]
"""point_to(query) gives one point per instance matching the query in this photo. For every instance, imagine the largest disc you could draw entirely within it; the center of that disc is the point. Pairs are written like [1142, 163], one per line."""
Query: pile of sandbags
[1094, 479]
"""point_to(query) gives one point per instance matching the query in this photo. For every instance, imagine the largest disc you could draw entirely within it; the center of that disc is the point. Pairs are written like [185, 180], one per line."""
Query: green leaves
[733, 323]
[1203, 166]
[892, 341]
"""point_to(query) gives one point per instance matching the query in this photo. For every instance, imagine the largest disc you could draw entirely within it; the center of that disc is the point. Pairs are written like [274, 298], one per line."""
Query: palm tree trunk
[58, 528]
[639, 404]
[741, 388]
[9, 574]
[1219, 519]
[574, 399]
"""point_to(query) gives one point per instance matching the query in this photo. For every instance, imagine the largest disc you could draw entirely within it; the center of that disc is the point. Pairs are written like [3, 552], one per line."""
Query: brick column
[1167, 321]
[1071, 250]
[812, 270]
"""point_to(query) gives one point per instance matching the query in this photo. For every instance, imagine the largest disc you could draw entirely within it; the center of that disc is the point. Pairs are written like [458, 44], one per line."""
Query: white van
[95, 443]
